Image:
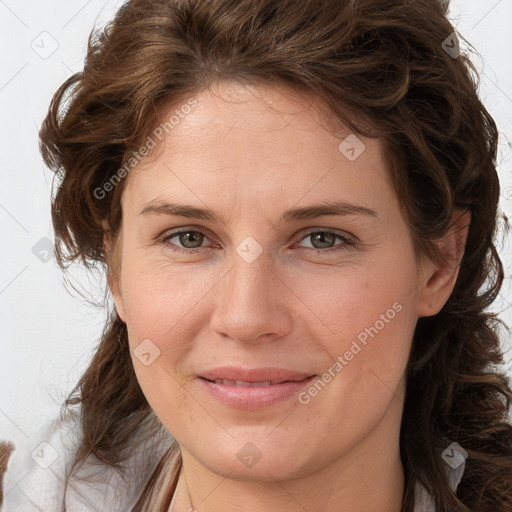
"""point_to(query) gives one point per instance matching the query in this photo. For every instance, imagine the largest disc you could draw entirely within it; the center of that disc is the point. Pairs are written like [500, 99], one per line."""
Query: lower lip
[254, 397]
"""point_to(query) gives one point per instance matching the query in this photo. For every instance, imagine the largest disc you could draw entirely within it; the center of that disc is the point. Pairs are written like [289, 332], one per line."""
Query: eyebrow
[336, 208]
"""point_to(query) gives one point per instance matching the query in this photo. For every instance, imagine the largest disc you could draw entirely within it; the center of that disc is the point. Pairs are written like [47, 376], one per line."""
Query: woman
[295, 205]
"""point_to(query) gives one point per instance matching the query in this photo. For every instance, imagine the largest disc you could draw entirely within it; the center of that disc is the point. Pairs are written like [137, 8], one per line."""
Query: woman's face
[268, 279]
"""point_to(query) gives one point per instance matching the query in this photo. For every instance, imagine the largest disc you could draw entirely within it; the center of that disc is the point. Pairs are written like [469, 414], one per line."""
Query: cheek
[158, 295]
[161, 321]
[163, 305]
[368, 355]
[375, 301]
[369, 318]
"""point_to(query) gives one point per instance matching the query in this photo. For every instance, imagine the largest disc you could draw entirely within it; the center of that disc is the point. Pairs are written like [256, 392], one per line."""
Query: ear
[438, 280]
[114, 269]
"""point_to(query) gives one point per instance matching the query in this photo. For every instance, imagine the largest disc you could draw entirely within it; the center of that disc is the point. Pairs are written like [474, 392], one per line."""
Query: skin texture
[250, 153]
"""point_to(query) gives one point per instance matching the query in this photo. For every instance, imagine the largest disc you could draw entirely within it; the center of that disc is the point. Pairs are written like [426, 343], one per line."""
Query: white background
[47, 335]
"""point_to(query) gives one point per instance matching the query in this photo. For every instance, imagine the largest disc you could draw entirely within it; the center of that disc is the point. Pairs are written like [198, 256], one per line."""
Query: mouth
[253, 389]
[266, 383]
[265, 376]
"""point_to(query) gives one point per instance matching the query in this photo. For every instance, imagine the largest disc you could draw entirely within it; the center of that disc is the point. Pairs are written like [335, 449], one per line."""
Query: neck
[367, 478]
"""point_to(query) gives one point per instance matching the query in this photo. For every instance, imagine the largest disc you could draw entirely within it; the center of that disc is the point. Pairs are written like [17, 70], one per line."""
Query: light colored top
[34, 480]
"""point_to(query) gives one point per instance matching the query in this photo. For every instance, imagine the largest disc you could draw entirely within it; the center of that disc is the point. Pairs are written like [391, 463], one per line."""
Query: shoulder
[37, 465]
[37, 469]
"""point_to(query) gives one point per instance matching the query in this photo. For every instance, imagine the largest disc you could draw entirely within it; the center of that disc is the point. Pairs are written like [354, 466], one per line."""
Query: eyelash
[348, 243]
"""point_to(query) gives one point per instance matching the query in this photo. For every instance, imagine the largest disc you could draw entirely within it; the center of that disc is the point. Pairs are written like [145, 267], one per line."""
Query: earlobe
[439, 280]
[113, 270]
[115, 290]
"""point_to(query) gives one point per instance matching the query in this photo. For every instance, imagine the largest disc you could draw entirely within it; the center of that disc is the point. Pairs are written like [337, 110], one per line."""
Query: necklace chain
[191, 509]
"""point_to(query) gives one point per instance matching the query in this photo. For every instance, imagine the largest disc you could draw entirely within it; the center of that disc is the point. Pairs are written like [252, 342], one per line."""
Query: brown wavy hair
[380, 62]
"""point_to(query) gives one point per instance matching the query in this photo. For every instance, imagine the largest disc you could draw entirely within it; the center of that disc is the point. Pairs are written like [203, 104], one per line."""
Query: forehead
[260, 142]
[266, 107]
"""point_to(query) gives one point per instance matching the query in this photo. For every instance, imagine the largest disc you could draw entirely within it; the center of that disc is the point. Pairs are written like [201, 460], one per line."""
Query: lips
[226, 382]
[256, 388]
[251, 376]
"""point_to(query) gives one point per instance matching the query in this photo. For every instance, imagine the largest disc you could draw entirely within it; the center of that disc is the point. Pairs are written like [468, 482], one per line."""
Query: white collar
[34, 480]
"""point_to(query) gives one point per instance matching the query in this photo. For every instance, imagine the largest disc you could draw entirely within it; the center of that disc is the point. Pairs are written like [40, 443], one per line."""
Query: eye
[189, 241]
[324, 241]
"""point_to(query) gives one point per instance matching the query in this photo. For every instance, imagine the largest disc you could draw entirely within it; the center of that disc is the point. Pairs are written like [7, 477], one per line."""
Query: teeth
[226, 382]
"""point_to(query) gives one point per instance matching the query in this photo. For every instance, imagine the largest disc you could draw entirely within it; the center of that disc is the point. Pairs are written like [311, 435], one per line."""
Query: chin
[258, 461]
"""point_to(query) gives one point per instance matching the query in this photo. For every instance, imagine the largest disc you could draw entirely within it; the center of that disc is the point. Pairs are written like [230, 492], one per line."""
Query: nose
[253, 302]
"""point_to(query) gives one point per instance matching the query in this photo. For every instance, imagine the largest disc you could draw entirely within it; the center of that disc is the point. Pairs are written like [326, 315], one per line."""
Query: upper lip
[254, 374]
